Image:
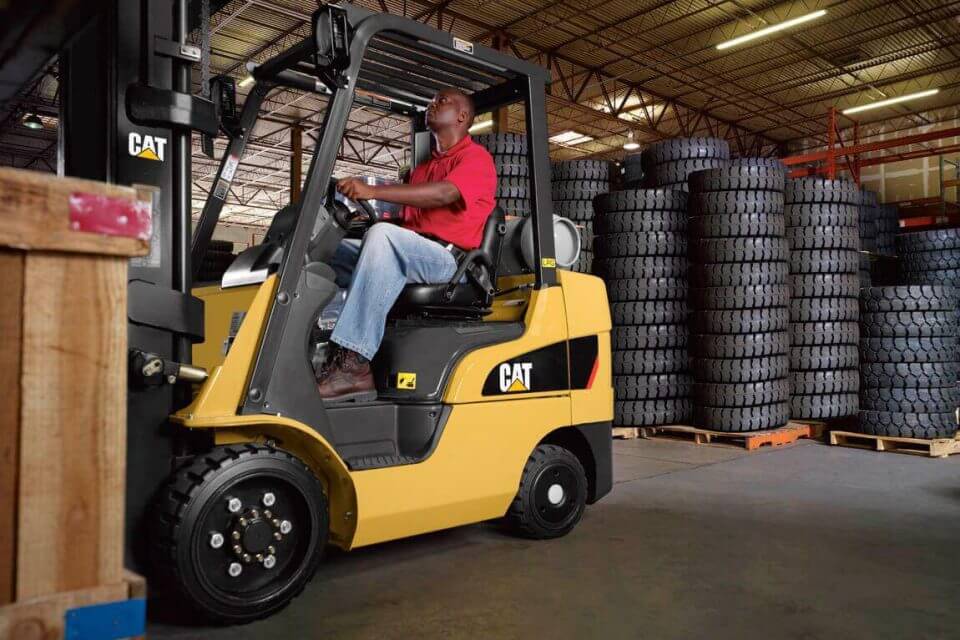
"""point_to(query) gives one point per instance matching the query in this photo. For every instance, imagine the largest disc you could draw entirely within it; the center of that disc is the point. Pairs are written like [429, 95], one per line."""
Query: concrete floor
[805, 542]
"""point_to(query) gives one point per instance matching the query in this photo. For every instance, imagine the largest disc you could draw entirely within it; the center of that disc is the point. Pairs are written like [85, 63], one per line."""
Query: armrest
[476, 255]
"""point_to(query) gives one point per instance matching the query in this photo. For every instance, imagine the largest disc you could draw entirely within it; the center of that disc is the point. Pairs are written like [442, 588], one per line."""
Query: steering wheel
[347, 218]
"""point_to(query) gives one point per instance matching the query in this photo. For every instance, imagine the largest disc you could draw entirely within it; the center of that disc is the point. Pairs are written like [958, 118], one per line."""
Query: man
[446, 202]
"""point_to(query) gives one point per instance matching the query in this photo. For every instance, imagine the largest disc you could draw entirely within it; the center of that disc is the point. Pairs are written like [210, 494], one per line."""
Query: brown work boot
[347, 376]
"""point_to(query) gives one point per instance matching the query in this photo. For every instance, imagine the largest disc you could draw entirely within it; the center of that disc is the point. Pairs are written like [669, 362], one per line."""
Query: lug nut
[216, 540]
[269, 562]
[267, 514]
[243, 522]
[277, 535]
[237, 550]
[236, 535]
[247, 558]
[254, 514]
[269, 499]
[259, 557]
[271, 550]
[234, 505]
[234, 569]
[276, 523]
[285, 527]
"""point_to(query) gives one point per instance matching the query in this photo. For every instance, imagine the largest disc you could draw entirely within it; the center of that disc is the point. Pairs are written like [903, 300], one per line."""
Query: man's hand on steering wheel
[355, 189]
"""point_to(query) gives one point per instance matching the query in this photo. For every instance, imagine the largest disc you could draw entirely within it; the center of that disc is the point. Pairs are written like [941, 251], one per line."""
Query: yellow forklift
[494, 390]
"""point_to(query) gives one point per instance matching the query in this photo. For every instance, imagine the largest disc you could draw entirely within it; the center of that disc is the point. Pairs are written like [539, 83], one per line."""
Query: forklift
[494, 389]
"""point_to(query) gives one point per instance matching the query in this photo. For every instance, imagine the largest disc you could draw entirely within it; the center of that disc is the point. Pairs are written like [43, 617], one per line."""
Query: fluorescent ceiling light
[570, 138]
[482, 125]
[631, 144]
[890, 101]
[780, 26]
[247, 80]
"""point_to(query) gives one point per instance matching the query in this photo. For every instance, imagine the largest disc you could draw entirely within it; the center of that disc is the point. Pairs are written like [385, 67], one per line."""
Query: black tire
[825, 285]
[821, 190]
[942, 349]
[515, 206]
[824, 357]
[733, 274]
[908, 425]
[824, 310]
[824, 382]
[741, 395]
[934, 240]
[649, 387]
[503, 143]
[909, 298]
[909, 375]
[533, 512]
[584, 263]
[823, 238]
[930, 260]
[738, 178]
[728, 370]
[740, 321]
[511, 166]
[824, 333]
[649, 361]
[679, 171]
[738, 419]
[579, 189]
[193, 503]
[647, 289]
[822, 215]
[715, 250]
[731, 202]
[741, 345]
[648, 336]
[641, 221]
[814, 407]
[657, 243]
[910, 400]
[738, 225]
[918, 324]
[513, 188]
[749, 297]
[824, 261]
[683, 148]
[949, 277]
[651, 267]
[633, 200]
[579, 210]
[651, 413]
[657, 312]
[580, 170]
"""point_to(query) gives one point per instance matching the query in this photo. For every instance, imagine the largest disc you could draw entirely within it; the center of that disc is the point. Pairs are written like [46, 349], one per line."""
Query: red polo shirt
[470, 167]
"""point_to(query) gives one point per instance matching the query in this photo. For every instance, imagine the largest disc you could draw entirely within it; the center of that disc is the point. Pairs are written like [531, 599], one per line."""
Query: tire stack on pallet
[509, 151]
[641, 254]
[930, 257]
[824, 236]
[909, 361]
[739, 342]
[869, 212]
[574, 184]
[670, 162]
[218, 257]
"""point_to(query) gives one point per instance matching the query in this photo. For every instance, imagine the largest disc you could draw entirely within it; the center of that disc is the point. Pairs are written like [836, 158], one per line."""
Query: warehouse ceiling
[650, 67]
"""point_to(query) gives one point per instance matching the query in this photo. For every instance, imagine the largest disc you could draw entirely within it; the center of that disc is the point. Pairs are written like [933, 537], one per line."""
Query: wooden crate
[940, 448]
[64, 247]
[751, 440]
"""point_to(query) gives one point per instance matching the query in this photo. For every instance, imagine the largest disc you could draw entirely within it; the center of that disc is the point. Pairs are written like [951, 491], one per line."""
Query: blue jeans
[376, 270]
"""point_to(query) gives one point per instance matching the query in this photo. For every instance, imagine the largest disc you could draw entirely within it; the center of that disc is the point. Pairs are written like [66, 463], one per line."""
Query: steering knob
[372, 215]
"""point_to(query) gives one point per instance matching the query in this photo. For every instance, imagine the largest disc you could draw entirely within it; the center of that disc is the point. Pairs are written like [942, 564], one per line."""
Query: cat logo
[515, 377]
[146, 146]
[406, 380]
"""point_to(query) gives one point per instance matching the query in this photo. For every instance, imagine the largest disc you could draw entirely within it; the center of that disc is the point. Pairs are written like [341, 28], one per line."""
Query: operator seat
[472, 298]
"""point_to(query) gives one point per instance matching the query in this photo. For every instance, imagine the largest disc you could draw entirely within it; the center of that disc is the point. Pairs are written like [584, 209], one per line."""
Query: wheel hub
[256, 536]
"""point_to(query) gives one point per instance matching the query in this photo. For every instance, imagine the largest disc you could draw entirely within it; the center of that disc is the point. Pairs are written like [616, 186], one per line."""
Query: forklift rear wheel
[240, 531]
[552, 494]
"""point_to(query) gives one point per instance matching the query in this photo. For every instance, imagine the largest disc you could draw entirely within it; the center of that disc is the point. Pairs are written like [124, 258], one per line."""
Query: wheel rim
[556, 492]
[264, 547]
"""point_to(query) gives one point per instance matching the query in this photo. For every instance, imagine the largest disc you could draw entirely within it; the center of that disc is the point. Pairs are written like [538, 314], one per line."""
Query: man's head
[450, 110]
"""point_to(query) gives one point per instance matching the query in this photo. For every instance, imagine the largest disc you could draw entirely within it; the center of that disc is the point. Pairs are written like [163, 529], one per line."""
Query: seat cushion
[433, 295]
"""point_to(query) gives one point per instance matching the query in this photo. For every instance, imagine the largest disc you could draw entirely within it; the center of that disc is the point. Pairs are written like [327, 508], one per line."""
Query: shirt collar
[464, 143]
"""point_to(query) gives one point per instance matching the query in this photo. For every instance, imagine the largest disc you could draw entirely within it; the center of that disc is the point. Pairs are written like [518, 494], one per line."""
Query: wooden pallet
[751, 441]
[930, 448]
[626, 433]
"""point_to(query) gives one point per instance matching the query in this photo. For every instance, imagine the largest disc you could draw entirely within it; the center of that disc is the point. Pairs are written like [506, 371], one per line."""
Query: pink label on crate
[110, 216]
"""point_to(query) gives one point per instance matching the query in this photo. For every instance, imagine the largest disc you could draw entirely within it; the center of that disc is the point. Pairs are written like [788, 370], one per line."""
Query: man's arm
[426, 195]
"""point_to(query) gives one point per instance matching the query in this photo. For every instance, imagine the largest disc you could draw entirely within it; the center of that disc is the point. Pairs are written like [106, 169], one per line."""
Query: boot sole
[358, 396]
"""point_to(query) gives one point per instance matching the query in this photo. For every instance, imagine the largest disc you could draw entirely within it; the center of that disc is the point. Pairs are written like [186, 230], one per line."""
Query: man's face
[444, 111]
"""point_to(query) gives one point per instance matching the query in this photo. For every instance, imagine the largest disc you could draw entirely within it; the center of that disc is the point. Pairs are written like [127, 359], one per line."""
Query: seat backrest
[491, 244]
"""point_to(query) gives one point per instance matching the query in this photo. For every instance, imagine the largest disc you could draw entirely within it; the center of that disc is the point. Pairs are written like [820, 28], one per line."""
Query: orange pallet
[751, 440]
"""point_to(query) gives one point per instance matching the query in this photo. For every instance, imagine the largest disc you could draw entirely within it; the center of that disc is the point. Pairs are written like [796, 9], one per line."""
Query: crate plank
[940, 448]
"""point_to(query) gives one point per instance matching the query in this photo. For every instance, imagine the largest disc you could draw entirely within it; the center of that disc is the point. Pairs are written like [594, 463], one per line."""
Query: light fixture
[631, 144]
[247, 81]
[780, 26]
[483, 125]
[890, 101]
[571, 138]
[32, 121]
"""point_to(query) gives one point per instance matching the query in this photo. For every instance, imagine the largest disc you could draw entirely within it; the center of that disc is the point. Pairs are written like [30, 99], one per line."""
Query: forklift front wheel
[240, 531]
[552, 494]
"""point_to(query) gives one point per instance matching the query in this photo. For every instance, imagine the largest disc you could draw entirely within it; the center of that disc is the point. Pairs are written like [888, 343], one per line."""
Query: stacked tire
[670, 162]
[888, 225]
[739, 340]
[509, 151]
[930, 257]
[909, 361]
[633, 172]
[869, 213]
[641, 247]
[574, 184]
[824, 236]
